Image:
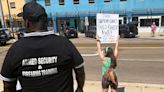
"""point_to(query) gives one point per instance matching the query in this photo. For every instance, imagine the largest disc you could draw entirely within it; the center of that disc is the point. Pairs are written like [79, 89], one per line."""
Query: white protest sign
[108, 27]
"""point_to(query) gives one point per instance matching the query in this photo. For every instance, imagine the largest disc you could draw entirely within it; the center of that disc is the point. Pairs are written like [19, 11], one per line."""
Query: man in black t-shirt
[41, 60]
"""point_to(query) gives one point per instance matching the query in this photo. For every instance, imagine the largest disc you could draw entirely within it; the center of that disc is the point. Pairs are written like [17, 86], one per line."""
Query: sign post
[108, 27]
[86, 23]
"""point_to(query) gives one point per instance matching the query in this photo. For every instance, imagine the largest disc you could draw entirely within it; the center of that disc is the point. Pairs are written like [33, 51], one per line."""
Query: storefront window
[125, 20]
[120, 21]
[135, 19]
[162, 21]
[47, 3]
[148, 22]
[92, 21]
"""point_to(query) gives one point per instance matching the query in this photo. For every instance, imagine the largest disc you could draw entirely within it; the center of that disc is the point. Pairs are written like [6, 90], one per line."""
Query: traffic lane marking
[127, 59]
[90, 55]
[142, 60]
[128, 47]
[96, 47]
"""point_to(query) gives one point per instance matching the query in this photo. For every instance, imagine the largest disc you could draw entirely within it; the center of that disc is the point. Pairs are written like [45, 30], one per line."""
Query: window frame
[47, 3]
[76, 2]
[123, 0]
[12, 5]
[61, 3]
[91, 1]
[107, 1]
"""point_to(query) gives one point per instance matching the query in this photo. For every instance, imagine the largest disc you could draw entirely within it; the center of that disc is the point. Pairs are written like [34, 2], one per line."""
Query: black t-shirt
[42, 62]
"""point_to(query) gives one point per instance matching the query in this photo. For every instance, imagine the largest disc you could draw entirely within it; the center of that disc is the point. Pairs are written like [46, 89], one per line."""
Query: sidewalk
[95, 86]
[147, 35]
[91, 86]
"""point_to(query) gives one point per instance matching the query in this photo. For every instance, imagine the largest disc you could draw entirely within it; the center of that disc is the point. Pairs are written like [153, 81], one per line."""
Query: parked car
[133, 27]
[125, 30]
[91, 32]
[71, 32]
[128, 30]
[20, 32]
[9, 33]
[4, 36]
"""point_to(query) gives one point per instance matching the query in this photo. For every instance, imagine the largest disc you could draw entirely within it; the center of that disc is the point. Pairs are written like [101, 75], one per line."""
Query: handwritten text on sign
[107, 27]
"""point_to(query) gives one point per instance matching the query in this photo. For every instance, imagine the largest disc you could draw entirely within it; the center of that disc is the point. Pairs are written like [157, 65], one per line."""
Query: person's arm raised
[99, 48]
[116, 48]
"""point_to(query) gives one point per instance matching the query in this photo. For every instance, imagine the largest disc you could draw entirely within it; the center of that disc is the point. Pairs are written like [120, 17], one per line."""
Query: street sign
[107, 27]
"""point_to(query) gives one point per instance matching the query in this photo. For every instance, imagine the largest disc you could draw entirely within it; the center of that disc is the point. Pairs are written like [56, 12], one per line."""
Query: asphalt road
[137, 63]
[141, 65]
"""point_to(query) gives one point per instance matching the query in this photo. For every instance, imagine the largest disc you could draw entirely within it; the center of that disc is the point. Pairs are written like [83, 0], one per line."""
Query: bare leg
[104, 90]
[113, 90]
[153, 33]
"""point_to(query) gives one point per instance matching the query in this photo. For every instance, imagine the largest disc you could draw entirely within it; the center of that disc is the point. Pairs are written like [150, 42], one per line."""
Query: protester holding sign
[108, 57]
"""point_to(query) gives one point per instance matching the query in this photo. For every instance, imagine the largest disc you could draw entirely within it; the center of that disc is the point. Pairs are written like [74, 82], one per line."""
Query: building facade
[81, 13]
[10, 10]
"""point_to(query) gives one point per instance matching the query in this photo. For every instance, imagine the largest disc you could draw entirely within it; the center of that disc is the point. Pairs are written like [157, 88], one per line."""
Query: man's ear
[26, 23]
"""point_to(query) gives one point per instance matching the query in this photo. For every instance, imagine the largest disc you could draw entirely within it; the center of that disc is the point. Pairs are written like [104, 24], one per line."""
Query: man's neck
[37, 30]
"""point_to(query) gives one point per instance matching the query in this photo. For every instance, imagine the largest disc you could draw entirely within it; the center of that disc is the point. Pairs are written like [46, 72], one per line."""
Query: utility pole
[10, 19]
[1, 14]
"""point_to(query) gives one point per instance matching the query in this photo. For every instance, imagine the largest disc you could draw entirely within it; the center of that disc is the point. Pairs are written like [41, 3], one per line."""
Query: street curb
[95, 86]
[146, 85]
[129, 84]
[121, 45]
